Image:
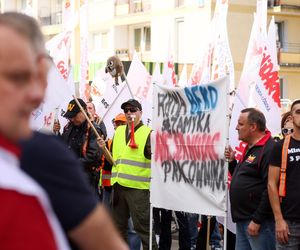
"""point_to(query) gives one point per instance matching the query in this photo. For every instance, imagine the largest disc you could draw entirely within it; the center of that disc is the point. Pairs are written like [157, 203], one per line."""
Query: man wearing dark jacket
[250, 207]
[79, 137]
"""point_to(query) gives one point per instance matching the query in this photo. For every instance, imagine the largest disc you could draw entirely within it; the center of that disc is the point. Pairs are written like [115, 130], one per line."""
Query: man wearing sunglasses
[284, 172]
[131, 151]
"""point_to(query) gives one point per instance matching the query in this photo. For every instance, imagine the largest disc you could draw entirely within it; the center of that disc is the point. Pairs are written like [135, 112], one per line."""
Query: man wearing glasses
[131, 151]
[284, 172]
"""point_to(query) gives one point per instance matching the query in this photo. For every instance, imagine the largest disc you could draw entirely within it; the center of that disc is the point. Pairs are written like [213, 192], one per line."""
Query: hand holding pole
[106, 152]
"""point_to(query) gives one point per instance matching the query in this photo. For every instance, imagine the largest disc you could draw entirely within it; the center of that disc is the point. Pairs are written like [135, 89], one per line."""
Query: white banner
[267, 88]
[110, 102]
[70, 17]
[84, 88]
[169, 76]
[259, 83]
[59, 49]
[58, 93]
[222, 63]
[188, 141]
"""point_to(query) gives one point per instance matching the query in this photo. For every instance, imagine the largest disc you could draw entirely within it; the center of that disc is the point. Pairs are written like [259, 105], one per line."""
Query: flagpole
[227, 163]
[151, 207]
[151, 226]
[128, 85]
[113, 102]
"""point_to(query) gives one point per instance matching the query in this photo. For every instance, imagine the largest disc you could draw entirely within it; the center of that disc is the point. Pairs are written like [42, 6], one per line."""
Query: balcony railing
[123, 7]
[53, 19]
[289, 55]
[286, 4]
[290, 48]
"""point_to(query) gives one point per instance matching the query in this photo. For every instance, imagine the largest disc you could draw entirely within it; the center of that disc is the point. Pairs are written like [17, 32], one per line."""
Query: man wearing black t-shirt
[287, 213]
[250, 207]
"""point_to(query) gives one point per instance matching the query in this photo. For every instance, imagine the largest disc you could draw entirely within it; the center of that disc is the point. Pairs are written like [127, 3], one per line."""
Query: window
[50, 12]
[100, 41]
[279, 35]
[273, 3]
[136, 6]
[147, 38]
[179, 3]
[180, 40]
[117, 2]
[26, 7]
[142, 39]
[137, 39]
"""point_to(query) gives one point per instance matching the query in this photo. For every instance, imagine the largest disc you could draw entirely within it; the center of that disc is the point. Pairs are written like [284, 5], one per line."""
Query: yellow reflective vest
[132, 169]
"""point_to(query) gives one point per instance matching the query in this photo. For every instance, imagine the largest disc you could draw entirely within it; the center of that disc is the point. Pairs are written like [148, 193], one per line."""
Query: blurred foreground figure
[26, 217]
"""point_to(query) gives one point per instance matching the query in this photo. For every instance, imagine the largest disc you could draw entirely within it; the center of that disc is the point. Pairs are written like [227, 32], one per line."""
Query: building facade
[150, 27]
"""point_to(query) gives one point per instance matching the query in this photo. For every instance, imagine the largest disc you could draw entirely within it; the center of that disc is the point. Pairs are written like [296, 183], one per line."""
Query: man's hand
[282, 231]
[101, 142]
[56, 127]
[253, 228]
[229, 154]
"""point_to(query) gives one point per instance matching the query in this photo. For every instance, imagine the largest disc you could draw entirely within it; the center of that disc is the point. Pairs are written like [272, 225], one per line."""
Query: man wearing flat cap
[131, 151]
[79, 137]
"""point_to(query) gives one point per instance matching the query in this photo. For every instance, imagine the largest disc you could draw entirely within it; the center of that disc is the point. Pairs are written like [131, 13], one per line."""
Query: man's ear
[253, 127]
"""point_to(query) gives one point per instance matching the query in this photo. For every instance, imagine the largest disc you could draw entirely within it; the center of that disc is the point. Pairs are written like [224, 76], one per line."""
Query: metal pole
[227, 165]
[151, 227]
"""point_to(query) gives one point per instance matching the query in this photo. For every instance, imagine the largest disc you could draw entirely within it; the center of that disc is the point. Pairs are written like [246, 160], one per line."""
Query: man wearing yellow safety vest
[105, 171]
[131, 151]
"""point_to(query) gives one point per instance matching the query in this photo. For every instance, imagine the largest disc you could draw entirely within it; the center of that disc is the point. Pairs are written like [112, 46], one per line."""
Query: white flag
[259, 83]
[169, 77]
[59, 49]
[57, 94]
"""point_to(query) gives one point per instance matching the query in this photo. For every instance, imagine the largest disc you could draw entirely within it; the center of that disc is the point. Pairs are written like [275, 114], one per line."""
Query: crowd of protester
[78, 189]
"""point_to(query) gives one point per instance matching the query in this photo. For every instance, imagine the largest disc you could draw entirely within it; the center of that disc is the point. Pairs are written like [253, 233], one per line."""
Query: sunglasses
[286, 131]
[132, 110]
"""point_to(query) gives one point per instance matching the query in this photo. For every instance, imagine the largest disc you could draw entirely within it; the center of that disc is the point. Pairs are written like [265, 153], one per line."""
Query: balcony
[52, 19]
[125, 7]
[289, 55]
[284, 5]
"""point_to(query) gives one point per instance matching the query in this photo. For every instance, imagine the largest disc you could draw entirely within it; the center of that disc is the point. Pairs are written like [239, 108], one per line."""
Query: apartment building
[150, 27]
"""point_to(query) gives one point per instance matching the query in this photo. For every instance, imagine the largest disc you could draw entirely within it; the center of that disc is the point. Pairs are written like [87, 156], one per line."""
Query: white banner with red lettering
[169, 76]
[57, 95]
[259, 84]
[188, 170]
[59, 49]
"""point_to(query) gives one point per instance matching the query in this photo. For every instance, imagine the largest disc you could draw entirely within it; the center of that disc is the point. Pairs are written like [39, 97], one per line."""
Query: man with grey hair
[49, 162]
[250, 207]
[26, 216]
